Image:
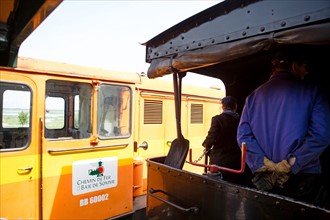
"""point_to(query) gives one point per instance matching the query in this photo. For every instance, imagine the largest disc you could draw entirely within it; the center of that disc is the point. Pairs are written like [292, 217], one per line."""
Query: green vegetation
[23, 118]
[15, 118]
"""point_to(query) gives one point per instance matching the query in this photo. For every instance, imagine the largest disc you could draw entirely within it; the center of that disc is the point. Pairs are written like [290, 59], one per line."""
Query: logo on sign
[98, 172]
[93, 175]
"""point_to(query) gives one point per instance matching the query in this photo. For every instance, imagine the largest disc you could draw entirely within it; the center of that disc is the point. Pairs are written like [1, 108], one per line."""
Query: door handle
[144, 145]
[24, 170]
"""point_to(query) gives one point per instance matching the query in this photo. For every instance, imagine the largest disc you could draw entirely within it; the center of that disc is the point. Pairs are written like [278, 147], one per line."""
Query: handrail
[71, 150]
[214, 168]
[193, 210]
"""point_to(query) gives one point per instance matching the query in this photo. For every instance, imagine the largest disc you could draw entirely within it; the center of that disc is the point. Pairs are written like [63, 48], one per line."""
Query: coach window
[68, 110]
[15, 116]
[114, 111]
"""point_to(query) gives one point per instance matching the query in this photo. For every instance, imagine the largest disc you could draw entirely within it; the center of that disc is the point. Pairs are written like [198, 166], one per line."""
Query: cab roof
[234, 29]
[235, 41]
[18, 19]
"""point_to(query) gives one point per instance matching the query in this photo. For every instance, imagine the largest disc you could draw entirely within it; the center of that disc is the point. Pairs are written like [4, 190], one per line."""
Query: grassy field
[13, 118]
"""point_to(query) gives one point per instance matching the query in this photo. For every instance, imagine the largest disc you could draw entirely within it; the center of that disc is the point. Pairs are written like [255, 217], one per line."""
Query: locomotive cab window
[55, 116]
[114, 111]
[15, 116]
[68, 110]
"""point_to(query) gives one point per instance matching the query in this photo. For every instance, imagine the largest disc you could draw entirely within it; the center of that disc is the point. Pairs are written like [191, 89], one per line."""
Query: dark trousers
[306, 187]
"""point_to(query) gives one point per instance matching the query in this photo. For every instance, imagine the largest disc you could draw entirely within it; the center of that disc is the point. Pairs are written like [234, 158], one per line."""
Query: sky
[108, 34]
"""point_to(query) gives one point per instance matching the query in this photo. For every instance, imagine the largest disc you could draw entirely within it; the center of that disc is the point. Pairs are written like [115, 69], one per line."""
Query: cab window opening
[55, 116]
[16, 107]
[114, 111]
[68, 110]
[76, 112]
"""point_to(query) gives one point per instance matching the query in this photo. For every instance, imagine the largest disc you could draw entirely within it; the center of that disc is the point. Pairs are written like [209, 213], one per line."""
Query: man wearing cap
[221, 139]
[285, 124]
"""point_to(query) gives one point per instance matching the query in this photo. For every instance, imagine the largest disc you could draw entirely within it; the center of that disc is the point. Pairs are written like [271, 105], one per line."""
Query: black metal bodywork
[177, 194]
[235, 41]
[18, 20]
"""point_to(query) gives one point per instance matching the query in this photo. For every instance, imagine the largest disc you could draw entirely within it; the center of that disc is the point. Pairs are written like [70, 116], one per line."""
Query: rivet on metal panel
[256, 196]
[307, 18]
[262, 29]
[277, 202]
[283, 23]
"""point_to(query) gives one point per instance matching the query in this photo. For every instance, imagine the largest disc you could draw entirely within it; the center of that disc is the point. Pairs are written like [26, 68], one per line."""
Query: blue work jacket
[285, 117]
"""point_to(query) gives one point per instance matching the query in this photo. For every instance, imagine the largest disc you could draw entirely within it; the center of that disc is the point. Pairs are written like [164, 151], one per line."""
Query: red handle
[214, 168]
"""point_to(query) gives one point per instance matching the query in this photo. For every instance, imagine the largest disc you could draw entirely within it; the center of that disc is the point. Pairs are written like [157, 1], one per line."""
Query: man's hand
[264, 180]
[282, 170]
[269, 166]
[271, 173]
[283, 166]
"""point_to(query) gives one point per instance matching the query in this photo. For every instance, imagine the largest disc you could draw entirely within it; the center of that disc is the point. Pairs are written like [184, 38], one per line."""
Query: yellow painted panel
[8, 164]
[60, 203]
[10, 192]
